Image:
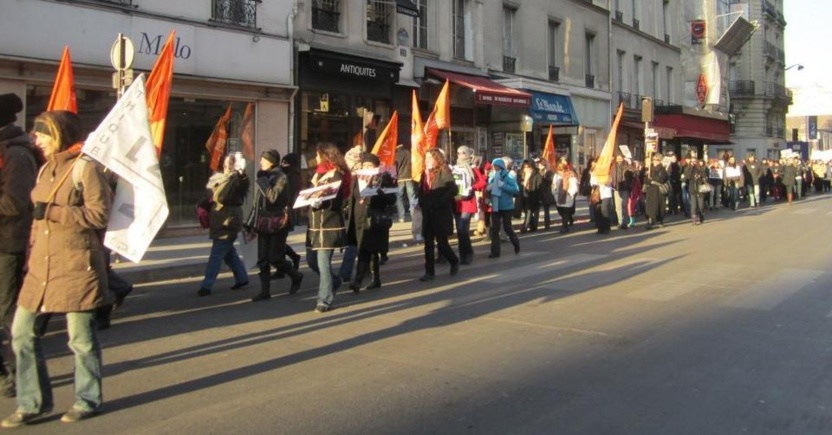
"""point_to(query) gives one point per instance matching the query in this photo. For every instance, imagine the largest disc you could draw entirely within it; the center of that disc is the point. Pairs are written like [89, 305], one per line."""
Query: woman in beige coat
[67, 271]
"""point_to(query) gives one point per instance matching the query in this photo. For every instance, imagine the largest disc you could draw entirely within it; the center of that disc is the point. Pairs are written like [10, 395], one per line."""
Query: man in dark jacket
[405, 178]
[18, 171]
[622, 180]
[754, 171]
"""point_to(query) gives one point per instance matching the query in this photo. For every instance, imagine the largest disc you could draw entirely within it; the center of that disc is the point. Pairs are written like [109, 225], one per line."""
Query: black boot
[297, 278]
[360, 272]
[375, 273]
[264, 294]
[649, 224]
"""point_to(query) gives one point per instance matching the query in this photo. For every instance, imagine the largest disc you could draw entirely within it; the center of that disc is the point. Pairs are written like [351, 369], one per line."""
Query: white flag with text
[122, 143]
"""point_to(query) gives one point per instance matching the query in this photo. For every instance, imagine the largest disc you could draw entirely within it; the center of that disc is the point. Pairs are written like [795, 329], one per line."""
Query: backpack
[463, 182]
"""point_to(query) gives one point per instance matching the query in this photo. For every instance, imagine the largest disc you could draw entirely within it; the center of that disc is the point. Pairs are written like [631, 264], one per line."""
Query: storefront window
[184, 160]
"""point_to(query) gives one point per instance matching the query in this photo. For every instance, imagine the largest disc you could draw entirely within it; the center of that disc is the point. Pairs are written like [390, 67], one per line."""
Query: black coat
[437, 204]
[695, 176]
[403, 164]
[532, 196]
[655, 200]
[226, 215]
[368, 238]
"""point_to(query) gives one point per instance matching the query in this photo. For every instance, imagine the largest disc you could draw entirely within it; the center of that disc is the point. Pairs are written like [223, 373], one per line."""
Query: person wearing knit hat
[272, 156]
[19, 161]
[501, 187]
[470, 180]
[10, 106]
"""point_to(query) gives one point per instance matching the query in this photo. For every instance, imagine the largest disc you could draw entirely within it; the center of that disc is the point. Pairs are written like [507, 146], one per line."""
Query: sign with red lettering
[701, 89]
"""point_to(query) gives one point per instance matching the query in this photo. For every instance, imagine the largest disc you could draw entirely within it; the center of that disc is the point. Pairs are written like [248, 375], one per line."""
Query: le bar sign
[353, 68]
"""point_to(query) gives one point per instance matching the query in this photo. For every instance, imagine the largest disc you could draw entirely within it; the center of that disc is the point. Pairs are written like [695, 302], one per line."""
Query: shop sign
[503, 100]
[352, 68]
[552, 109]
[701, 89]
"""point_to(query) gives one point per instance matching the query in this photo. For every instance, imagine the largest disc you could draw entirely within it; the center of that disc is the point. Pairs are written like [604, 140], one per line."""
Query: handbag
[272, 224]
[595, 195]
[664, 188]
[203, 213]
[704, 188]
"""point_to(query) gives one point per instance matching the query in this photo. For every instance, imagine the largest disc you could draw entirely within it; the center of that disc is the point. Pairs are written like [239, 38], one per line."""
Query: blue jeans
[223, 251]
[34, 391]
[409, 188]
[463, 234]
[320, 262]
[348, 262]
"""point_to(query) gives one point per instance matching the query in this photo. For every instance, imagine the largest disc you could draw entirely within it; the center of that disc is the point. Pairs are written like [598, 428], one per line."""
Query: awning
[406, 7]
[552, 109]
[663, 132]
[696, 127]
[486, 91]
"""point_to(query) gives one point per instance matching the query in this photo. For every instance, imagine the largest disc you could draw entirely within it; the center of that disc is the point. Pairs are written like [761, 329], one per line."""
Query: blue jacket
[509, 189]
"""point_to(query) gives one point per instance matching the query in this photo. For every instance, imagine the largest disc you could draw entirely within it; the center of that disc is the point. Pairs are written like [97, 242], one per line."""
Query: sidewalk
[185, 257]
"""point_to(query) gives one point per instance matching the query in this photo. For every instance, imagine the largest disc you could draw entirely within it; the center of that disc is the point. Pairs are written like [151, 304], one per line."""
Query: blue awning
[552, 109]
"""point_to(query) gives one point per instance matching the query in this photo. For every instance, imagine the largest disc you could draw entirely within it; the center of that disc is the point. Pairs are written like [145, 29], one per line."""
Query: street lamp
[799, 67]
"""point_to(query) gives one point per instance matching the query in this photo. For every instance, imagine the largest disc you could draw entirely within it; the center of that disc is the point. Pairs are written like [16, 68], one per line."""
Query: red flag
[602, 165]
[549, 153]
[385, 146]
[247, 134]
[63, 91]
[158, 92]
[217, 140]
[442, 108]
[417, 141]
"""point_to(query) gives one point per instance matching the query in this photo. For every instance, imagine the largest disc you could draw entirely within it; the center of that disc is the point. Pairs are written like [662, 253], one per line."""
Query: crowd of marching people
[49, 191]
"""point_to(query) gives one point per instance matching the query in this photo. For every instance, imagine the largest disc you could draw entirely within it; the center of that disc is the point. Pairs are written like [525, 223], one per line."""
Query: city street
[722, 328]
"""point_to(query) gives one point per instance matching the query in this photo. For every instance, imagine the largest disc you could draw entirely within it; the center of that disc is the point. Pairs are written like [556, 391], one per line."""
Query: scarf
[346, 181]
[464, 163]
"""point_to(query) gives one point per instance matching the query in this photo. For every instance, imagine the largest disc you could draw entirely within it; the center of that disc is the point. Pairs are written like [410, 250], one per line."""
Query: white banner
[123, 144]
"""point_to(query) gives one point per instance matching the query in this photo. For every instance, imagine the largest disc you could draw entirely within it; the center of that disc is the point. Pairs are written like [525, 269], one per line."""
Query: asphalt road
[723, 328]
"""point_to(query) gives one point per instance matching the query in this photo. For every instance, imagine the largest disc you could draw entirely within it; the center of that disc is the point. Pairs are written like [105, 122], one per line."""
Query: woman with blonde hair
[67, 270]
[437, 190]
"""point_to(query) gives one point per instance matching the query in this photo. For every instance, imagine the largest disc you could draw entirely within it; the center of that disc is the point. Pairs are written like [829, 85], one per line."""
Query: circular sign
[121, 55]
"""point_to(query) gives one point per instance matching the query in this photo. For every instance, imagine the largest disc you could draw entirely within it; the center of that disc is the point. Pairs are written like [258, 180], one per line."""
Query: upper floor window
[637, 76]
[326, 15]
[379, 19]
[236, 12]
[509, 45]
[553, 50]
[420, 25]
[463, 31]
[589, 59]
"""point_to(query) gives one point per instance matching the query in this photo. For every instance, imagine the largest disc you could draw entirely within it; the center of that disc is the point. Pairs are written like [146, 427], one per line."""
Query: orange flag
[549, 153]
[602, 165]
[217, 140]
[431, 131]
[63, 91]
[158, 92]
[385, 146]
[247, 134]
[442, 108]
[417, 141]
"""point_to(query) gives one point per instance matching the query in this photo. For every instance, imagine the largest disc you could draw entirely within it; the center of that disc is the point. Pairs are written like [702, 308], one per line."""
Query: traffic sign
[121, 55]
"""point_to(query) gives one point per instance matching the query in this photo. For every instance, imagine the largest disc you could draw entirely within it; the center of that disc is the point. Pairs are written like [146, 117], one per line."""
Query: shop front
[555, 110]
[201, 91]
[343, 99]
[485, 115]
[695, 130]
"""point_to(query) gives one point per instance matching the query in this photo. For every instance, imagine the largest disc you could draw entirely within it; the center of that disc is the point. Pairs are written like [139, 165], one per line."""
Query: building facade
[759, 97]
[227, 52]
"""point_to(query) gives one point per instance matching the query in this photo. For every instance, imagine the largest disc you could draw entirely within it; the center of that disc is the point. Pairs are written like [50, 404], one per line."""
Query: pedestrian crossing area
[584, 272]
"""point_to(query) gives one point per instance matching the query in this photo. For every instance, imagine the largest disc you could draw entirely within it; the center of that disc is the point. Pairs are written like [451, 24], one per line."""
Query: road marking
[522, 273]
[769, 293]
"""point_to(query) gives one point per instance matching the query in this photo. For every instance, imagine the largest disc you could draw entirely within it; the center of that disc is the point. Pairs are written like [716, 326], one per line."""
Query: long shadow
[451, 313]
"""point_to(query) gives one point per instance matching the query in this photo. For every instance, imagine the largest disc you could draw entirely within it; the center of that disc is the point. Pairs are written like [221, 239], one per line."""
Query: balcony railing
[326, 18]
[118, 2]
[657, 103]
[625, 98]
[509, 64]
[667, 38]
[636, 24]
[235, 12]
[590, 80]
[741, 88]
[619, 16]
[554, 73]
[637, 100]
[776, 90]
